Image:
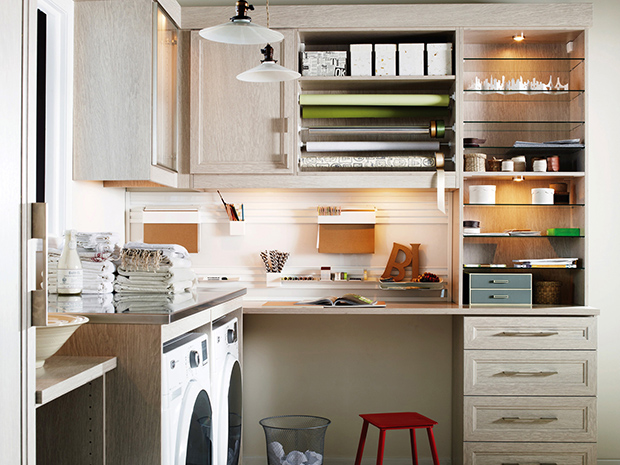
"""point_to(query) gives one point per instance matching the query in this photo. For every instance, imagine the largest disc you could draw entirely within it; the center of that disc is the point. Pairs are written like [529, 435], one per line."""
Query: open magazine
[347, 299]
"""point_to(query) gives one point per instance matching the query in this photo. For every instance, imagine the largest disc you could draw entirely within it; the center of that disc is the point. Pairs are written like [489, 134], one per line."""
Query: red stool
[399, 420]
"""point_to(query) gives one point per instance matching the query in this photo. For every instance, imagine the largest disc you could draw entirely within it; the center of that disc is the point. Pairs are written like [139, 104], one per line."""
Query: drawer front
[497, 453]
[530, 333]
[500, 281]
[535, 419]
[530, 373]
[500, 297]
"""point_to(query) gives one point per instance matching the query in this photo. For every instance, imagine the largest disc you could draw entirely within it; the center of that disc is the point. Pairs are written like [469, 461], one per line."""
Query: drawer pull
[528, 373]
[529, 419]
[500, 281]
[500, 296]
[529, 333]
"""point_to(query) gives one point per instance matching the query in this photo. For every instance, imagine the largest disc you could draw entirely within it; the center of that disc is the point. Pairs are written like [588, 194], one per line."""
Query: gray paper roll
[382, 146]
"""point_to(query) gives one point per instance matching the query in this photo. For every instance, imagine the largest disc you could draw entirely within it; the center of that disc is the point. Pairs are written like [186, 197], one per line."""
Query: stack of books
[546, 263]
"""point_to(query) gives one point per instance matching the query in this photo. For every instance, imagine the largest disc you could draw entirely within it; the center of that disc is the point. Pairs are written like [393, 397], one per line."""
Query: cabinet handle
[529, 373]
[529, 333]
[500, 296]
[500, 281]
[529, 420]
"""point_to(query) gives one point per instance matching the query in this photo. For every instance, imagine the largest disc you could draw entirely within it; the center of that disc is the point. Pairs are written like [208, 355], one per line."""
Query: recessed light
[518, 38]
[518, 178]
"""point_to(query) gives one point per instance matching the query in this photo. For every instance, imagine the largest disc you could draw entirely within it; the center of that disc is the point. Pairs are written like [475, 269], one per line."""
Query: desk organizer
[506, 289]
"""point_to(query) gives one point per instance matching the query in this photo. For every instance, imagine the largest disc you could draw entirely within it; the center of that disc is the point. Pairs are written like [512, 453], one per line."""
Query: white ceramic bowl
[51, 338]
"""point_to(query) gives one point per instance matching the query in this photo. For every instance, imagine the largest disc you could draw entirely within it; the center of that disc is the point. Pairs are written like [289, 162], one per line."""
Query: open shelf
[384, 83]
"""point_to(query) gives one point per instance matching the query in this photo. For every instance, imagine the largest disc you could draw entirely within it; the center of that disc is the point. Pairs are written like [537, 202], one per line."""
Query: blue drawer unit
[507, 289]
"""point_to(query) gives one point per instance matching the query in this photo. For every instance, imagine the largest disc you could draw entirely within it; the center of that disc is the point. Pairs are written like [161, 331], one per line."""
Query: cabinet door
[240, 127]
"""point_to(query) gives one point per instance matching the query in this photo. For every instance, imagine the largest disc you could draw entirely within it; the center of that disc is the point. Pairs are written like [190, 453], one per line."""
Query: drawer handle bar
[500, 281]
[499, 296]
[529, 333]
[529, 420]
[529, 373]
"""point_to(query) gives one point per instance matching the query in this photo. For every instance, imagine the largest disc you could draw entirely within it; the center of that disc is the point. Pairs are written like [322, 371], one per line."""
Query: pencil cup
[237, 228]
[273, 279]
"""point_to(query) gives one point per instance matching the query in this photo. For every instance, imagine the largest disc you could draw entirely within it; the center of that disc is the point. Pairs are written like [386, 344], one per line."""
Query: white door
[195, 431]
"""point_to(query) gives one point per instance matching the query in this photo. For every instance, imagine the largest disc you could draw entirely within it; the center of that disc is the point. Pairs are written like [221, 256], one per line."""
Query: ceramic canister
[542, 196]
[539, 165]
[482, 194]
[508, 165]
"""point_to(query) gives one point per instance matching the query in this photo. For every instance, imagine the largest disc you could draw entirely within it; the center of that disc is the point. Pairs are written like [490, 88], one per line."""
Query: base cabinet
[505, 453]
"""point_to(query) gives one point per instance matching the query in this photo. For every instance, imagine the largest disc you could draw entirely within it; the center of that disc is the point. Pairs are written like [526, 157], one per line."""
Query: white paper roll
[363, 146]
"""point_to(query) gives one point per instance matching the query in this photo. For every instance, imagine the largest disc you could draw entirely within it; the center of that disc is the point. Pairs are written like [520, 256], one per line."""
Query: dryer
[187, 414]
[227, 395]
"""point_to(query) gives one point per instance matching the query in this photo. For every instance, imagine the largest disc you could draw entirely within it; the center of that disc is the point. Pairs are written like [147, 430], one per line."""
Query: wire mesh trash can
[295, 439]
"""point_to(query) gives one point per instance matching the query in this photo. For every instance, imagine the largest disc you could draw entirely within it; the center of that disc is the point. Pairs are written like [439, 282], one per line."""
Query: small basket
[475, 161]
[295, 439]
[495, 164]
[547, 292]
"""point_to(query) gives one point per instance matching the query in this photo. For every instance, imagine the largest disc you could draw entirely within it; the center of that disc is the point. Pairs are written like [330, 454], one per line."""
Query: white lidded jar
[70, 273]
[542, 196]
[482, 194]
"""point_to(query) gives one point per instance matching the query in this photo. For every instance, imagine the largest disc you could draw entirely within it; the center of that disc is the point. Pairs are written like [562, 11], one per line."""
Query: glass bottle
[70, 273]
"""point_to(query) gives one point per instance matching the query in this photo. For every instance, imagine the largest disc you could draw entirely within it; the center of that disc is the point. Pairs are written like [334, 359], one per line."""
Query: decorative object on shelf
[385, 59]
[508, 165]
[268, 70]
[326, 273]
[547, 292]
[534, 86]
[553, 163]
[495, 164]
[471, 227]
[328, 63]
[411, 59]
[60, 327]
[475, 162]
[240, 30]
[561, 196]
[361, 59]
[519, 163]
[439, 59]
[411, 257]
[482, 194]
[542, 196]
[539, 165]
[274, 260]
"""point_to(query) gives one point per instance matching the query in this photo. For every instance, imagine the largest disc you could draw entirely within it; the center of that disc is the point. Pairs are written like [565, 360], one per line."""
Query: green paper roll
[355, 111]
[441, 129]
[404, 100]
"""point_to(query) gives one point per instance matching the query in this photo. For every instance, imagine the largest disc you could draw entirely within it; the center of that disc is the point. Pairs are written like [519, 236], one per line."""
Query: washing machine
[187, 413]
[227, 396]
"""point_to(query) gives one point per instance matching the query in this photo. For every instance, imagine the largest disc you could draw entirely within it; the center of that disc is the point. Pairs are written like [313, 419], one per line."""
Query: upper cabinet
[126, 94]
[241, 127]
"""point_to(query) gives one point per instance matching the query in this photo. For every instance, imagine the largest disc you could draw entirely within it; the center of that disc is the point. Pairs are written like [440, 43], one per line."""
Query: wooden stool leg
[431, 441]
[360, 447]
[381, 447]
[414, 446]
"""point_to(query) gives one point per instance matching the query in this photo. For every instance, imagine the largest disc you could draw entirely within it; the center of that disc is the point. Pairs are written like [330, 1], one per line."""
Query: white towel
[167, 276]
[87, 288]
[172, 288]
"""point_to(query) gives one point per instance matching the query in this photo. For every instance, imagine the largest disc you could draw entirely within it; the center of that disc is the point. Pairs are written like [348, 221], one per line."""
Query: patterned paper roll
[346, 163]
[360, 111]
[364, 146]
[405, 100]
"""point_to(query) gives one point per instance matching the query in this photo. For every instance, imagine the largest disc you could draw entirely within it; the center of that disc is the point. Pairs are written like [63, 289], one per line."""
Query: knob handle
[194, 359]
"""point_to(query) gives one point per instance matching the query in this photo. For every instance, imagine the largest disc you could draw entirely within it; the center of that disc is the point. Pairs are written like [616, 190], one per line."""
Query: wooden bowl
[51, 338]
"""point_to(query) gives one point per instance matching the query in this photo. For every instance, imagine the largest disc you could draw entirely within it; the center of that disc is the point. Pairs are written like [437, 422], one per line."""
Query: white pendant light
[240, 30]
[268, 70]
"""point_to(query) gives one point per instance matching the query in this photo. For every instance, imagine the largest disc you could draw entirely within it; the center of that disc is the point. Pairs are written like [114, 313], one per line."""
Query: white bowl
[51, 338]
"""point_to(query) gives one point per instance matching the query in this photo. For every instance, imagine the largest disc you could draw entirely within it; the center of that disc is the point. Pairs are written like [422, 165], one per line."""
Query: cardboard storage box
[361, 59]
[411, 59]
[439, 59]
[331, 63]
[385, 59]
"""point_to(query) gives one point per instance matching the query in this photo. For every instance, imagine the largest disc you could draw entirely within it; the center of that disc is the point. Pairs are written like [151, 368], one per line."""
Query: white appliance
[187, 415]
[227, 396]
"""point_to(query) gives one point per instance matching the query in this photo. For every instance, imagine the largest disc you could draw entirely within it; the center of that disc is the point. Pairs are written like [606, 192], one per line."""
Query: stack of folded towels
[97, 253]
[154, 269]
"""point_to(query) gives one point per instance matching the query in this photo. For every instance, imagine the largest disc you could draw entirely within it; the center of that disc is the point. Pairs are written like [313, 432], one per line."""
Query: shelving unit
[503, 117]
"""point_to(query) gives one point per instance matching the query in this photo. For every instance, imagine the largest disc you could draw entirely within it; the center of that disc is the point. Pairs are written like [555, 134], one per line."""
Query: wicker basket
[547, 292]
[495, 164]
[475, 161]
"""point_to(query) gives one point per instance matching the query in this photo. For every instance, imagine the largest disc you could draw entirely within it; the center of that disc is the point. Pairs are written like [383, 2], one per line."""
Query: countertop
[142, 308]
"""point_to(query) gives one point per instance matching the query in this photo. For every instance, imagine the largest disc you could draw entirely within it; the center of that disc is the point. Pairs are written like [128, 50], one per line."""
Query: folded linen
[87, 288]
[171, 288]
[138, 256]
[170, 275]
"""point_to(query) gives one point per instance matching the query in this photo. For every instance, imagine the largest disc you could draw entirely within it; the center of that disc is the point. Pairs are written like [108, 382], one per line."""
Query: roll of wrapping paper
[383, 100]
[350, 163]
[435, 129]
[361, 111]
[372, 146]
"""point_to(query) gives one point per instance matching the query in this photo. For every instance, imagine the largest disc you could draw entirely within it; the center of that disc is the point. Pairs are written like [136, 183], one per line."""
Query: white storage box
[482, 194]
[385, 59]
[331, 63]
[542, 196]
[411, 59]
[361, 59]
[439, 59]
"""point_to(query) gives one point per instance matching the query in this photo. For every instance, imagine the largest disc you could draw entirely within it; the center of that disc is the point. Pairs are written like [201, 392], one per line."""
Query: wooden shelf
[62, 374]
[548, 175]
[320, 83]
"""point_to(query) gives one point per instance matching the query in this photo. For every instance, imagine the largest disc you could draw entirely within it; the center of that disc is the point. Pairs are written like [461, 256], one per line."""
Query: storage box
[411, 59]
[385, 59]
[563, 232]
[495, 289]
[361, 59]
[329, 63]
[439, 59]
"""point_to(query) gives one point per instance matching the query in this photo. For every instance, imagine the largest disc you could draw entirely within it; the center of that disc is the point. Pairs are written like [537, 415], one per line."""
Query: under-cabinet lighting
[518, 178]
[519, 38]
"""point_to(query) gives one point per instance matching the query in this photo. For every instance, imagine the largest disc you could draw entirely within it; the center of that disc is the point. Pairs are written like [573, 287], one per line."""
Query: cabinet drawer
[500, 281]
[498, 453]
[530, 333]
[530, 373]
[500, 297]
[536, 419]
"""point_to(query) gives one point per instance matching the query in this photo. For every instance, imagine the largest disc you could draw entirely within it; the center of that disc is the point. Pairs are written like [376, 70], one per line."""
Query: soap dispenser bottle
[70, 273]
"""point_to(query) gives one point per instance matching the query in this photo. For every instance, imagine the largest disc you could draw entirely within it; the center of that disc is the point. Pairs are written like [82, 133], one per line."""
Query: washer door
[230, 413]
[195, 434]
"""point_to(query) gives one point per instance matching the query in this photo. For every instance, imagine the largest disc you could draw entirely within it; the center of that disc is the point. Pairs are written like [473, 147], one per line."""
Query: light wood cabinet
[241, 127]
[127, 82]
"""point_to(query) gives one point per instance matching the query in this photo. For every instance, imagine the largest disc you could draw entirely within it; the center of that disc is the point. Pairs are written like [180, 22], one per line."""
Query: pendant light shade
[268, 70]
[240, 30]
